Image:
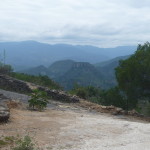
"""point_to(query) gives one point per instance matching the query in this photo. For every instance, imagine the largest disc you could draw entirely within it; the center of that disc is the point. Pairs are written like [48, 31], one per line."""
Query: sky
[103, 23]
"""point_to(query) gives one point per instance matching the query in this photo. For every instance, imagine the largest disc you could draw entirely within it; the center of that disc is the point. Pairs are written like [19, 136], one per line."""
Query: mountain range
[26, 54]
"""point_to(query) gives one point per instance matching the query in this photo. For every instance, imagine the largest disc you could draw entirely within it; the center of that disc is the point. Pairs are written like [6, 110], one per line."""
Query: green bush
[38, 100]
[109, 97]
[113, 97]
[85, 92]
[81, 92]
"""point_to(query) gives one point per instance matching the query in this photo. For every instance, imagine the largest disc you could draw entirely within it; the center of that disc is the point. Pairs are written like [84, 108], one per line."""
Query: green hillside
[68, 72]
[81, 73]
[59, 68]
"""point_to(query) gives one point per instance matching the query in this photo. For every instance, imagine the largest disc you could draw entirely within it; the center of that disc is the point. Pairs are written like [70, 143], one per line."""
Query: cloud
[97, 22]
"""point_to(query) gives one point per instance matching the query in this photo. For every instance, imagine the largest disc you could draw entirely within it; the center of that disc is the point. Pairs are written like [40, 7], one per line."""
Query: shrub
[113, 97]
[38, 100]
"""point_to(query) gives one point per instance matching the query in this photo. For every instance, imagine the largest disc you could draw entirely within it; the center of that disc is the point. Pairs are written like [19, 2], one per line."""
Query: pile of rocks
[113, 110]
[4, 113]
[4, 110]
[60, 95]
[12, 84]
[15, 85]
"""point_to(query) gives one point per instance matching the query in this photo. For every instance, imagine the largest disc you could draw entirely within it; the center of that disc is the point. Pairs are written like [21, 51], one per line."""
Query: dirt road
[70, 128]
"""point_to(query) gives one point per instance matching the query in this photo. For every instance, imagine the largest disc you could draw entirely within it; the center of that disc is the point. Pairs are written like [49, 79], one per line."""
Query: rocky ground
[64, 126]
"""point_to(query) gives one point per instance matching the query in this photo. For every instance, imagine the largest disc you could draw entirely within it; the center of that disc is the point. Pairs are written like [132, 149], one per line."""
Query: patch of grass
[3, 143]
[17, 143]
[24, 144]
[7, 140]
[10, 139]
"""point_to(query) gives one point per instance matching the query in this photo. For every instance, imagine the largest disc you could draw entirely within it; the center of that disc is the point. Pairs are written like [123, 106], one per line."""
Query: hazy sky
[105, 23]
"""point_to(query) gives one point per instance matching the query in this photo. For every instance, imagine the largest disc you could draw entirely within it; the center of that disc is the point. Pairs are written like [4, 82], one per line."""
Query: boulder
[133, 113]
[4, 113]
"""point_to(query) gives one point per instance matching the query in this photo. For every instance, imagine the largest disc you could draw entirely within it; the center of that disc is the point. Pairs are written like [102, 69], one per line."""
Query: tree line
[133, 77]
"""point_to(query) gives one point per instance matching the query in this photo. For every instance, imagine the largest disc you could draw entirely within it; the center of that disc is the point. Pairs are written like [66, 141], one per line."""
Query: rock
[117, 111]
[60, 95]
[133, 113]
[4, 113]
[12, 84]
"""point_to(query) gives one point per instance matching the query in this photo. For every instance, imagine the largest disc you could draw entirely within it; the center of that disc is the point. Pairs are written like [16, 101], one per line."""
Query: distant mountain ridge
[108, 62]
[23, 55]
[68, 72]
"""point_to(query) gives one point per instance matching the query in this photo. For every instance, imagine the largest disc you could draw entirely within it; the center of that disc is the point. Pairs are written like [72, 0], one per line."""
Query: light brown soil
[68, 127]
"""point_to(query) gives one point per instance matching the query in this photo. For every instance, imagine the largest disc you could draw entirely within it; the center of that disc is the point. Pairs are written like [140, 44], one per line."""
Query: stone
[133, 113]
[60, 95]
[4, 113]
[12, 84]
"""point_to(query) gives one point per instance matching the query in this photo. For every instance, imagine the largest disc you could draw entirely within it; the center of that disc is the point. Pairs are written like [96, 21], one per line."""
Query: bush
[113, 97]
[38, 100]
[81, 92]
[85, 92]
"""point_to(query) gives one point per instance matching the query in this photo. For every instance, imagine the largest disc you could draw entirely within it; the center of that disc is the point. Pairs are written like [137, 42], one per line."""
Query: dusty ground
[72, 127]
[68, 127]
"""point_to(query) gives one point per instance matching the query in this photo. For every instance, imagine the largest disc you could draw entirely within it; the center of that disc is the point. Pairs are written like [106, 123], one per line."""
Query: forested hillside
[69, 72]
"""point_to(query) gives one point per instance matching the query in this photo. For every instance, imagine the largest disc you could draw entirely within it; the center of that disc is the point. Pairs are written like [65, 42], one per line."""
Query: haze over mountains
[26, 54]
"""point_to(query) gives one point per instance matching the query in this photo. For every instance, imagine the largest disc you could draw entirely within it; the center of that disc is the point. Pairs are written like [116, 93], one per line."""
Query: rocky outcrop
[4, 113]
[12, 84]
[19, 86]
[60, 95]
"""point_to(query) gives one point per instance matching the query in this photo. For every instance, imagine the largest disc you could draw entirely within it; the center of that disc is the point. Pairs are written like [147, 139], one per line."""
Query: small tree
[38, 100]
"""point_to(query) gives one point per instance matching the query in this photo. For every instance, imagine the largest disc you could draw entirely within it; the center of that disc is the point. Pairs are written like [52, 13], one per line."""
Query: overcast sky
[104, 23]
